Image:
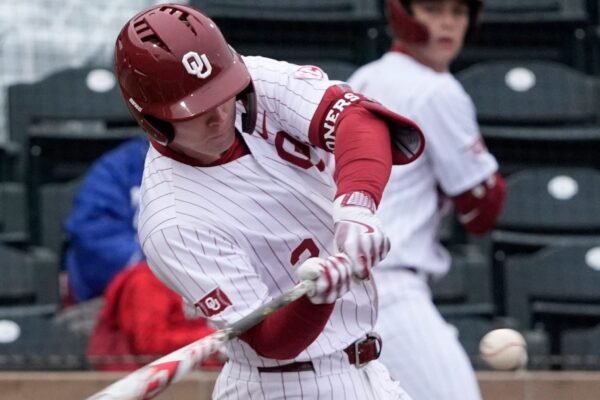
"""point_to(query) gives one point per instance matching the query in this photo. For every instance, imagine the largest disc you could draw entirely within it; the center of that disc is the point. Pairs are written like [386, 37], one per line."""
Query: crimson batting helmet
[405, 27]
[173, 64]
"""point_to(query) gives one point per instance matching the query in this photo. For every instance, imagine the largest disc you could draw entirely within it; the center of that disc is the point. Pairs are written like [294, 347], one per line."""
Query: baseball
[504, 349]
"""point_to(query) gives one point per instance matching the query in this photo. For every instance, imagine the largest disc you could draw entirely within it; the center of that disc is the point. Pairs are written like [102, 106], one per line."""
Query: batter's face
[207, 136]
[447, 22]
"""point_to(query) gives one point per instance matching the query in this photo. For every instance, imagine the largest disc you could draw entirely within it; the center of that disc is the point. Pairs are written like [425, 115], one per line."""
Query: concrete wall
[199, 385]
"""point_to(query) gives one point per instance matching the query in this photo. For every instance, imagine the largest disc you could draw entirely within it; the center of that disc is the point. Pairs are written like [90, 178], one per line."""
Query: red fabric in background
[142, 317]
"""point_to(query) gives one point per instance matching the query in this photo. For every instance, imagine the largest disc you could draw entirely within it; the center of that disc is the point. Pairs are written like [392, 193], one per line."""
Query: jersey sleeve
[455, 147]
[290, 93]
[206, 267]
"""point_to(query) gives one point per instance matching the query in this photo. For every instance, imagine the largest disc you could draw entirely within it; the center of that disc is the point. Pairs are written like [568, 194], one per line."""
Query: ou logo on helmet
[197, 65]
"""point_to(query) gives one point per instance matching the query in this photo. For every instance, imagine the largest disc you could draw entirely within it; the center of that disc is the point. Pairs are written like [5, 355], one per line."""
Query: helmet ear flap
[161, 130]
[248, 99]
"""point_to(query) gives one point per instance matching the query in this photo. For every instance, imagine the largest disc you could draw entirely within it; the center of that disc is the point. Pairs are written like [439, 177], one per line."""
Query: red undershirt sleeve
[362, 153]
[287, 332]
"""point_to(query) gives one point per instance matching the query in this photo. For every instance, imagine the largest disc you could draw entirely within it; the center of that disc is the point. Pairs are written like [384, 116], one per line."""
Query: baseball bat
[148, 381]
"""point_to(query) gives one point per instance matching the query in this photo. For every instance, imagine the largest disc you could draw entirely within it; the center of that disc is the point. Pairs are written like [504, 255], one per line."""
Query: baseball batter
[238, 203]
[413, 79]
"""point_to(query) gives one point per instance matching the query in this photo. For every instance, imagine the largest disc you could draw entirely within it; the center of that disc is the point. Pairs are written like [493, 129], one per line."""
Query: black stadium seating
[344, 30]
[536, 113]
[554, 30]
[63, 123]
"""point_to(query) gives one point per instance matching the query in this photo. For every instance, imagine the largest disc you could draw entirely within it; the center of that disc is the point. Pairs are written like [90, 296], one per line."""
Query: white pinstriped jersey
[229, 237]
[454, 158]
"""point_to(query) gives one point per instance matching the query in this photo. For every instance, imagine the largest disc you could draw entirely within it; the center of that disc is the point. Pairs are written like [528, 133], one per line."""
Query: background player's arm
[464, 168]
[477, 209]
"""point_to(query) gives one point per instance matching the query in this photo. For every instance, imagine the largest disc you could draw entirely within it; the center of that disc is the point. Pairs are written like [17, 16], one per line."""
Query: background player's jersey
[455, 157]
[229, 237]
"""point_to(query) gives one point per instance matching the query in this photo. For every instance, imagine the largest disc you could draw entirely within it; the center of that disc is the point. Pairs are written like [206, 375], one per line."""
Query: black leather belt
[359, 354]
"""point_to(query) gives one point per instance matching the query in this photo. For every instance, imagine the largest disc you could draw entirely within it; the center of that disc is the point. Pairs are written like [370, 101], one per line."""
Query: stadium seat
[8, 160]
[63, 124]
[595, 43]
[552, 30]
[344, 30]
[531, 93]
[56, 201]
[13, 214]
[536, 113]
[29, 278]
[552, 201]
[580, 348]
[35, 343]
[69, 103]
[554, 282]
[465, 290]
[550, 206]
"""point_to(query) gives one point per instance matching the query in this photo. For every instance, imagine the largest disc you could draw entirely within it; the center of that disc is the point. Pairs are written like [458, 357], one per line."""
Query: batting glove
[332, 277]
[358, 232]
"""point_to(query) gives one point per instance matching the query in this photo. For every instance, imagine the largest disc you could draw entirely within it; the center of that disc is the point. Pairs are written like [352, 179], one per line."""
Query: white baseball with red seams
[504, 349]
[242, 229]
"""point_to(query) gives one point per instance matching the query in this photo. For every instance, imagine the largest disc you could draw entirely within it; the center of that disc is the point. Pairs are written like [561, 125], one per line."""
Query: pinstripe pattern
[420, 350]
[410, 205]
[435, 368]
[235, 226]
[341, 381]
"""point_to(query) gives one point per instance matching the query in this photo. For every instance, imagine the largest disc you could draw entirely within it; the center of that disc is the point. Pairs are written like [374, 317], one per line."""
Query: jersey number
[294, 151]
[307, 245]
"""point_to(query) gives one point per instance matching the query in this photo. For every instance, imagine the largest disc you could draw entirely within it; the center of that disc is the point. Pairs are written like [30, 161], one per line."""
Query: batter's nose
[216, 116]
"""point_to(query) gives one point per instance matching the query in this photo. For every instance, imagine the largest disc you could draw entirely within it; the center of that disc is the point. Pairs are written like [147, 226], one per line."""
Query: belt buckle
[358, 343]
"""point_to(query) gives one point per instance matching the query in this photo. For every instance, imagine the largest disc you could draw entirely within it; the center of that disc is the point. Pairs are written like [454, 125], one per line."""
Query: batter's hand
[358, 232]
[332, 277]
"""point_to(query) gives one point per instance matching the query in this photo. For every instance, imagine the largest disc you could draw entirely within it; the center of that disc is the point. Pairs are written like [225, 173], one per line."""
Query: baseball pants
[334, 378]
[420, 349]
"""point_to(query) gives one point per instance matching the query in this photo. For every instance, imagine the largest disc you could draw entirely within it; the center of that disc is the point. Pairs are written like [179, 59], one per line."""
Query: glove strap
[358, 199]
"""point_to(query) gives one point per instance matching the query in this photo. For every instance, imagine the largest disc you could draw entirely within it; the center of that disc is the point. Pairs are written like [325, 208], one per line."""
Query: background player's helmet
[406, 28]
[173, 64]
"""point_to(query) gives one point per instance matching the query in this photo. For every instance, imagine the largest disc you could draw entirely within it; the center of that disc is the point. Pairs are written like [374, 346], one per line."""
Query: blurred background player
[102, 225]
[413, 79]
[101, 229]
[118, 299]
[142, 319]
[237, 204]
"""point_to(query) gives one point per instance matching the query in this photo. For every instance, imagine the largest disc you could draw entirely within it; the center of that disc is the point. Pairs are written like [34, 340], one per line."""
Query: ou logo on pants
[197, 65]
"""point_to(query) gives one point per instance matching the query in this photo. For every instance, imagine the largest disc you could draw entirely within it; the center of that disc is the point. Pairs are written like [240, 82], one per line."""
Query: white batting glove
[358, 232]
[332, 277]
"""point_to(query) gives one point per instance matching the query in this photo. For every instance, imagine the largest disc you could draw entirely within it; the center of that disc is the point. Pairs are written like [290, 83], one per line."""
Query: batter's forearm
[362, 154]
[286, 333]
